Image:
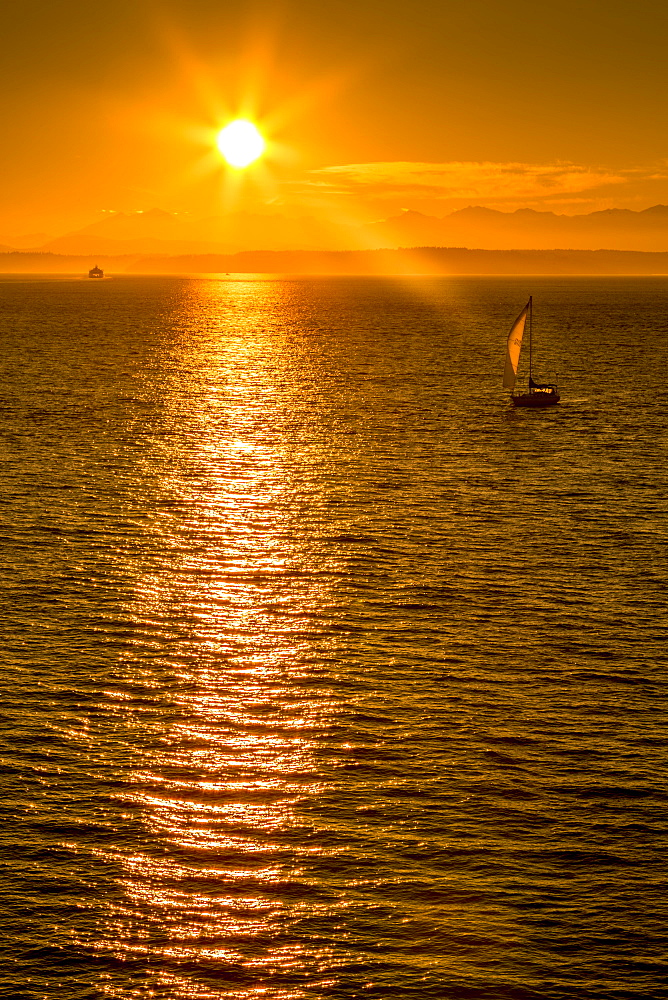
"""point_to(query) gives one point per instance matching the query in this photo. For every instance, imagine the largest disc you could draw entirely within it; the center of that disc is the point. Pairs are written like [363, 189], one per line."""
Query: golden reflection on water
[218, 606]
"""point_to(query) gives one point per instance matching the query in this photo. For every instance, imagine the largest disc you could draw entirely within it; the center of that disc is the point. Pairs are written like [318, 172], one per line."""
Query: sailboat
[539, 394]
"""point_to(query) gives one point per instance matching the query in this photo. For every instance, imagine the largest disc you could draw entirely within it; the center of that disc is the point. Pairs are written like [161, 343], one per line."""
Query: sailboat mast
[530, 331]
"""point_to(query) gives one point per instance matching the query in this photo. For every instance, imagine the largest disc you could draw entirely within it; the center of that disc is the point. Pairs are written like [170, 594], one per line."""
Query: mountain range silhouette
[475, 227]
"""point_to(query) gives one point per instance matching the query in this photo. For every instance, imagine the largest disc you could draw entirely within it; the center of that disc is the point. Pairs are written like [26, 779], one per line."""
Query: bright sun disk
[240, 143]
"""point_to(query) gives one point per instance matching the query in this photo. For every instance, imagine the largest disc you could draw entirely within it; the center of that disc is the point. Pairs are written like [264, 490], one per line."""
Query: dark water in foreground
[326, 672]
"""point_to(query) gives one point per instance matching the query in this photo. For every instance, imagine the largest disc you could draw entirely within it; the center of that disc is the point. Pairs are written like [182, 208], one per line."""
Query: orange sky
[368, 107]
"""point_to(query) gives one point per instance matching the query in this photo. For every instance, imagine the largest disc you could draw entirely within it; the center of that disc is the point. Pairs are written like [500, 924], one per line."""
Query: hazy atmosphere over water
[328, 672]
[368, 110]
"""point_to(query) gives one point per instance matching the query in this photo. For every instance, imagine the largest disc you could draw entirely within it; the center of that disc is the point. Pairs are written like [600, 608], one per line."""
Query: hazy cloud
[475, 181]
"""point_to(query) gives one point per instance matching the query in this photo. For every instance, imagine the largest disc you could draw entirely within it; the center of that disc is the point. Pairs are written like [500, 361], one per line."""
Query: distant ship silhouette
[96, 272]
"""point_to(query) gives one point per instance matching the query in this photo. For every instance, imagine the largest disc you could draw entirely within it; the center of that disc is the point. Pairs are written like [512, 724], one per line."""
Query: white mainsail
[514, 347]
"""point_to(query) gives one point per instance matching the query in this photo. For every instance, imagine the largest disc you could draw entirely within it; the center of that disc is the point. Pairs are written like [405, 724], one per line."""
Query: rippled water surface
[326, 672]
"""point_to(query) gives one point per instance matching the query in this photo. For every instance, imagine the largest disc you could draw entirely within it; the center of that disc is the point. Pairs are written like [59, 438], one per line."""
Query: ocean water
[326, 672]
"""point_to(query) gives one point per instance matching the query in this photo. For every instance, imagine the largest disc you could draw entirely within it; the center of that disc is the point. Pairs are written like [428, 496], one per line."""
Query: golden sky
[367, 107]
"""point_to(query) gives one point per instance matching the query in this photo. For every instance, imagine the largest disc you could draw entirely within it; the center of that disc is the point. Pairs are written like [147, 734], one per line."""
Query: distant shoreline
[417, 260]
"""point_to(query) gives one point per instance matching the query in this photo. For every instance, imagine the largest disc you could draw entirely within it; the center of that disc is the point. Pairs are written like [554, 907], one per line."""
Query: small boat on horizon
[96, 272]
[539, 393]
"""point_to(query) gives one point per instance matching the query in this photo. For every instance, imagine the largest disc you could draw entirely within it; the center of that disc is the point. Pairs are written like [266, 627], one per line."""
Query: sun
[240, 143]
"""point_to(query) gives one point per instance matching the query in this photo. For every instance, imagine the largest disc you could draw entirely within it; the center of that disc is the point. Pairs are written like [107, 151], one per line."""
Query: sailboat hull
[539, 398]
